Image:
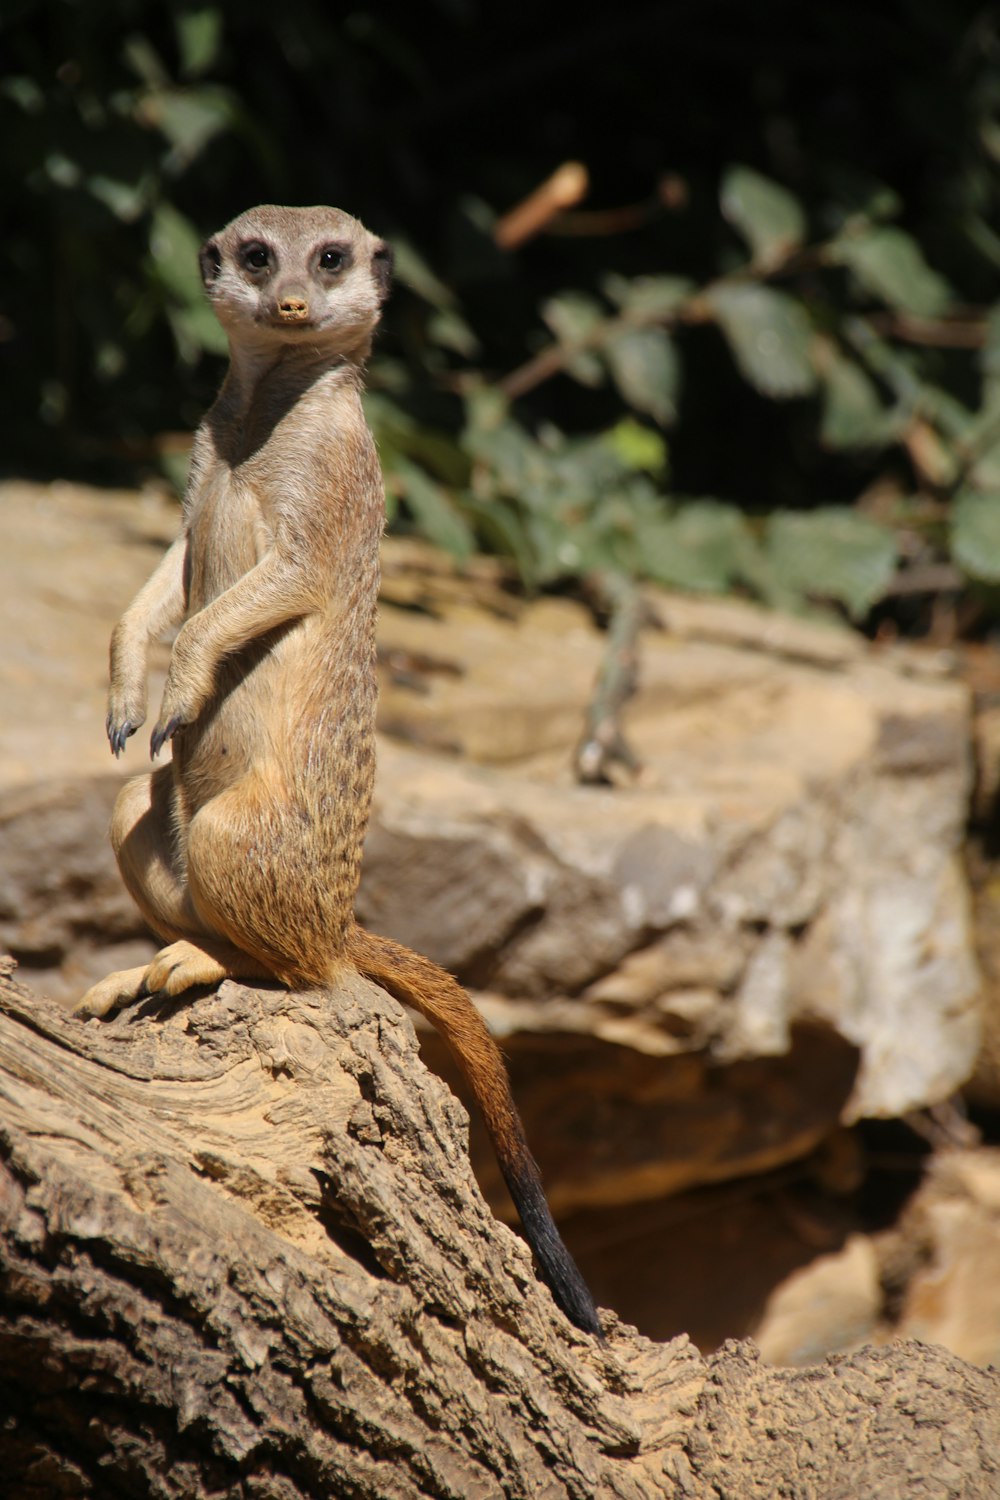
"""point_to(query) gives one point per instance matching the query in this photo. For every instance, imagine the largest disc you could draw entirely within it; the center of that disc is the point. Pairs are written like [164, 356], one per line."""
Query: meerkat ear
[210, 260]
[382, 269]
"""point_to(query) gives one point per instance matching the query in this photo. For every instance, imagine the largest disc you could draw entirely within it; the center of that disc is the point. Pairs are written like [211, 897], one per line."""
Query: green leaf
[986, 469]
[947, 412]
[174, 245]
[142, 57]
[510, 459]
[437, 517]
[768, 217]
[831, 553]
[897, 368]
[199, 33]
[645, 368]
[64, 172]
[195, 329]
[647, 299]
[769, 335]
[700, 546]
[413, 271]
[586, 368]
[126, 200]
[579, 471]
[486, 408]
[189, 118]
[396, 432]
[447, 328]
[24, 92]
[552, 546]
[853, 415]
[890, 264]
[637, 446]
[975, 533]
[573, 317]
[501, 527]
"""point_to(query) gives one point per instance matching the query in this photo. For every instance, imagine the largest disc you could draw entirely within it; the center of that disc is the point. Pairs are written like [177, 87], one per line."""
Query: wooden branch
[955, 332]
[542, 366]
[671, 195]
[243, 1256]
[604, 748]
[566, 186]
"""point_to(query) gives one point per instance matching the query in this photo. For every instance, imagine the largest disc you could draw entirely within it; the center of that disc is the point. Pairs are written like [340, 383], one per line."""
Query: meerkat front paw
[110, 994]
[126, 714]
[180, 706]
[118, 732]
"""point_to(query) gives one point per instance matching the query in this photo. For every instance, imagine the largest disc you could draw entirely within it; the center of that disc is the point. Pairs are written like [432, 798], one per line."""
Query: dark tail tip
[555, 1263]
[415, 980]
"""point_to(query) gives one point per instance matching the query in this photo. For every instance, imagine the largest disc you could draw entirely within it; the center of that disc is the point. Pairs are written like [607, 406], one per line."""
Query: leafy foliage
[799, 292]
[769, 335]
[976, 534]
[889, 264]
[831, 552]
[768, 217]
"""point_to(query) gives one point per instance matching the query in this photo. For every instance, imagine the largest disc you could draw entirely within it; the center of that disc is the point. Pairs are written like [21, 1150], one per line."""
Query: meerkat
[244, 852]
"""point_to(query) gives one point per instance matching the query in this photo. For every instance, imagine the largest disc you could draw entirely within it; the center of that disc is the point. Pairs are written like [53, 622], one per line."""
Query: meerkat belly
[285, 704]
[228, 536]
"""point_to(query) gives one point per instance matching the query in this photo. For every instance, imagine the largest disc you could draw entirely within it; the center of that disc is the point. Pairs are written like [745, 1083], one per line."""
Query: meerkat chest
[228, 534]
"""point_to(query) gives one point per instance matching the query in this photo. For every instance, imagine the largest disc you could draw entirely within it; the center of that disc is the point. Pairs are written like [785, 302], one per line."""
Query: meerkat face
[312, 275]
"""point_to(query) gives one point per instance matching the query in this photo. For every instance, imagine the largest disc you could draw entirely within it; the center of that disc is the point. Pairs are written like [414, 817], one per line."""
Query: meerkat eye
[333, 258]
[256, 257]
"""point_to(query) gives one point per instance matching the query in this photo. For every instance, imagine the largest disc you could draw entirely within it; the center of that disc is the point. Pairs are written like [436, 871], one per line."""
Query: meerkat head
[298, 275]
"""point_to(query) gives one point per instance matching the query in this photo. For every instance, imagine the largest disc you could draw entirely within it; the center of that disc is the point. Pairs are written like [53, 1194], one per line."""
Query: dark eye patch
[255, 256]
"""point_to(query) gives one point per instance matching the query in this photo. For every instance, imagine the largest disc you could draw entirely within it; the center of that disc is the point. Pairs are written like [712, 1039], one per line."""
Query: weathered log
[244, 1255]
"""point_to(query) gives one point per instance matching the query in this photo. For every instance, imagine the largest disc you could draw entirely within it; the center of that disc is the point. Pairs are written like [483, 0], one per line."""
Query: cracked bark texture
[244, 1257]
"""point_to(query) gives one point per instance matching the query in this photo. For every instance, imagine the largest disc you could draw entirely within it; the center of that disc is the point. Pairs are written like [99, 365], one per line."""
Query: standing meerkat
[244, 853]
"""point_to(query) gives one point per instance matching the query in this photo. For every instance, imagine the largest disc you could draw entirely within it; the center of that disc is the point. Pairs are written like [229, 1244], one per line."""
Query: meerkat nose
[293, 309]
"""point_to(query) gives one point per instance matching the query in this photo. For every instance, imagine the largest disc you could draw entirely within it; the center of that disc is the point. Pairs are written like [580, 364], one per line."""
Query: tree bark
[244, 1257]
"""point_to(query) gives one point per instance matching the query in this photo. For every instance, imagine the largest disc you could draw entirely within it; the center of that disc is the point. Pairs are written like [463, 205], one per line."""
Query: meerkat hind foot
[178, 967]
[181, 966]
[112, 993]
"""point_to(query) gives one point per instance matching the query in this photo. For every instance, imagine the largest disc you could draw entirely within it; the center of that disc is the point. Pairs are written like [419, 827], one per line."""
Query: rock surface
[790, 851]
[932, 1276]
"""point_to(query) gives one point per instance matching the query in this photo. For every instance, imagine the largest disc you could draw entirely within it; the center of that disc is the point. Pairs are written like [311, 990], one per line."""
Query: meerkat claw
[161, 734]
[118, 734]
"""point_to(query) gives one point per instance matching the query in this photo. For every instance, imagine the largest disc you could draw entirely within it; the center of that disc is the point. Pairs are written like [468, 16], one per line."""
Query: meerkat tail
[416, 981]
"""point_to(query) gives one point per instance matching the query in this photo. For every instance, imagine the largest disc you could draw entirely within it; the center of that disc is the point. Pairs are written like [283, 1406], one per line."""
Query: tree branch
[243, 1255]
